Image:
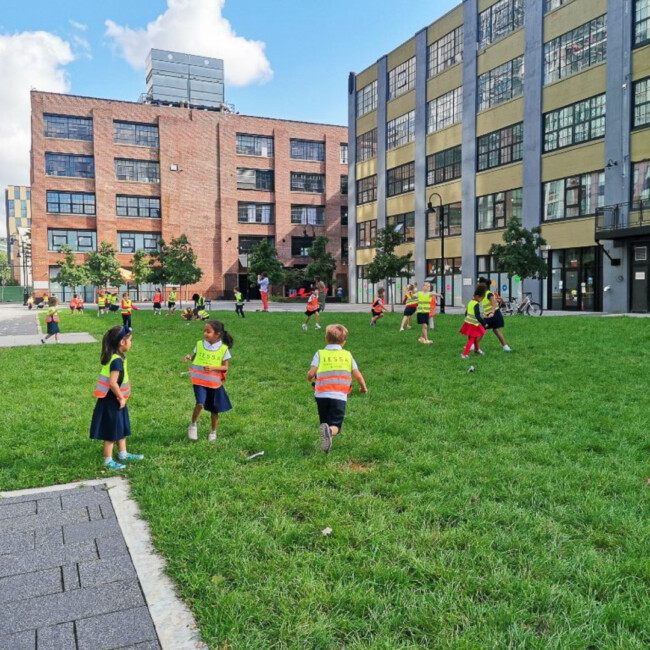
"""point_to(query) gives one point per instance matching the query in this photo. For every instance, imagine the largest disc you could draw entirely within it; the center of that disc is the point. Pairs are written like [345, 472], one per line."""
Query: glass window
[499, 20]
[308, 215]
[401, 179]
[445, 110]
[495, 210]
[16, 192]
[137, 206]
[255, 179]
[64, 164]
[302, 182]
[445, 52]
[641, 182]
[400, 130]
[344, 215]
[367, 145]
[451, 217]
[642, 102]
[23, 208]
[255, 145]
[404, 224]
[552, 5]
[255, 212]
[574, 124]
[141, 135]
[366, 233]
[12, 208]
[367, 99]
[344, 183]
[500, 147]
[70, 203]
[641, 21]
[300, 246]
[576, 50]
[130, 242]
[307, 150]
[248, 242]
[343, 157]
[444, 166]
[29, 194]
[140, 171]
[345, 257]
[575, 196]
[68, 127]
[401, 79]
[78, 240]
[501, 84]
[367, 189]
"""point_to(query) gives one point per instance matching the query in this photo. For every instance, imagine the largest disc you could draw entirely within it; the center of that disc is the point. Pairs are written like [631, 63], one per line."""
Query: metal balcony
[623, 220]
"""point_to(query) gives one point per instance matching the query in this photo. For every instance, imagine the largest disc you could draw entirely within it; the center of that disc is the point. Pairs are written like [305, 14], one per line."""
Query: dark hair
[265, 274]
[111, 343]
[479, 292]
[218, 327]
[484, 281]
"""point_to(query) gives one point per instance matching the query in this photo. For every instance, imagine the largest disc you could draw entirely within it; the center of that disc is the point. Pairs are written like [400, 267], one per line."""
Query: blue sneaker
[129, 456]
[113, 465]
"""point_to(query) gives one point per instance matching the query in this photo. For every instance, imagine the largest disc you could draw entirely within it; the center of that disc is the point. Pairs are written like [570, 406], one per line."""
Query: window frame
[560, 116]
[136, 236]
[309, 182]
[507, 210]
[261, 213]
[70, 160]
[400, 179]
[366, 233]
[504, 75]
[445, 111]
[143, 211]
[578, 187]
[310, 150]
[512, 10]
[145, 171]
[645, 105]
[493, 143]
[452, 228]
[367, 145]
[307, 215]
[450, 170]
[343, 153]
[367, 187]
[366, 99]
[255, 145]
[407, 219]
[139, 130]
[302, 245]
[396, 134]
[67, 121]
[264, 180]
[453, 43]
[66, 233]
[49, 201]
[636, 22]
[401, 79]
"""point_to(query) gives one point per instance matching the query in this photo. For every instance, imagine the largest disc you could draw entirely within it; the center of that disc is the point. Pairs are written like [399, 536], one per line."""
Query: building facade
[18, 208]
[131, 174]
[538, 109]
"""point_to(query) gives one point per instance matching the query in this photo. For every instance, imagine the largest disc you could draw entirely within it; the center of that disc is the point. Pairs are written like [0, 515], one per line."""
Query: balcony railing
[623, 220]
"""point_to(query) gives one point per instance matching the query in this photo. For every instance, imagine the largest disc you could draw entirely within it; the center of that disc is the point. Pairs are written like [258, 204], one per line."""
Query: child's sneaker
[325, 437]
[401, 329]
[464, 356]
[113, 465]
[480, 352]
[507, 348]
[212, 436]
[129, 456]
[193, 432]
[43, 341]
[304, 327]
[316, 327]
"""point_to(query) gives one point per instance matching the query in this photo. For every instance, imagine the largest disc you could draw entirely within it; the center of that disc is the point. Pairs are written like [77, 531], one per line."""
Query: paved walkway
[78, 573]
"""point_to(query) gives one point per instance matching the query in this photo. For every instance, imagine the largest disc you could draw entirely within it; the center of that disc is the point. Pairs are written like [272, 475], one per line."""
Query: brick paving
[67, 581]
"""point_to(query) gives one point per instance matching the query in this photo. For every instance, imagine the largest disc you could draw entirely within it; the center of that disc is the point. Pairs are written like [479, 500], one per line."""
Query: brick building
[130, 173]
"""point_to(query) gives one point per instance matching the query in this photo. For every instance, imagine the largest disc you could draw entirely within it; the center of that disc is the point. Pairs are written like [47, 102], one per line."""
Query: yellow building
[493, 112]
[19, 223]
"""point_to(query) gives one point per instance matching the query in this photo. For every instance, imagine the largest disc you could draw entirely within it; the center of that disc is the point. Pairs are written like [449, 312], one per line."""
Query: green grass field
[503, 508]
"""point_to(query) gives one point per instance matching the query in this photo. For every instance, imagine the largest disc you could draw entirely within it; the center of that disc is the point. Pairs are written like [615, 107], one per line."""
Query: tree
[264, 258]
[323, 263]
[70, 273]
[102, 267]
[175, 263]
[293, 277]
[386, 264]
[141, 270]
[519, 254]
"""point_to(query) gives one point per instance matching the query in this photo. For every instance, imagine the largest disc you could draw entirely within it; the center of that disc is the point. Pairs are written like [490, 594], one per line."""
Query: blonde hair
[336, 334]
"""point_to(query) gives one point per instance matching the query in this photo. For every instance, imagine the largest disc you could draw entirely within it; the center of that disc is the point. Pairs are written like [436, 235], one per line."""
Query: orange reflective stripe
[333, 388]
[202, 377]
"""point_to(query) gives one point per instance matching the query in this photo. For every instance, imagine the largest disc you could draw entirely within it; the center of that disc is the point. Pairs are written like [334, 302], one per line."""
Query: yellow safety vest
[334, 373]
[102, 387]
[200, 302]
[172, 296]
[101, 301]
[126, 309]
[238, 298]
[469, 313]
[203, 315]
[487, 305]
[424, 302]
[52, 315]
[198, 373]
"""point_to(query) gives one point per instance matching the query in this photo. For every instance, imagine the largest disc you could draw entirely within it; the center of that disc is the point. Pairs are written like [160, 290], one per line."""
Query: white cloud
[79, 26]
[81, 47]
[195, 27]
[27, 60]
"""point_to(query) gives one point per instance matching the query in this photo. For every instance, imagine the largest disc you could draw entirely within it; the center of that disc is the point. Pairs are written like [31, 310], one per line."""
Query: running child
[171, 304]
[493, 314]
[331, 375]
[313, 309]
[378, 306]
[474, 325]
[110, 421]
[127, 307]
[426, 304]
[410, 306]
[101, 304]
[52, 320]
[239, 303]
[80, 304]
[73, 304]
[208, 372]
[157, 302]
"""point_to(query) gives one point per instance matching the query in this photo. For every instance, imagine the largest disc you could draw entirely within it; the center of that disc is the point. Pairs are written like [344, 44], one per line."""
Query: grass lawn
[503, 508]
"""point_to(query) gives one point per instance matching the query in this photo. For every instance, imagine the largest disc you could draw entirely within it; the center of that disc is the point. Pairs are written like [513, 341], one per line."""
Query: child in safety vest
[474, 325]
[127, 307]
[110, 421]
[80, 304]
[331, 375]
[378, 306]
[425, 306]
[313, 309]
[30, 301]
[239, 303]
[45, 302]
[52, 320]
[410, 306]
[157, 302]
[101, 304]
[188, 315]
[171, 304]
[493, 314]
[208, 372]
[73, 303]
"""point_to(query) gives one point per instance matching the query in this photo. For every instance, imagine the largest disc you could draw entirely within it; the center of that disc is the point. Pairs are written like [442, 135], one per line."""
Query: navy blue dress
[110, 422]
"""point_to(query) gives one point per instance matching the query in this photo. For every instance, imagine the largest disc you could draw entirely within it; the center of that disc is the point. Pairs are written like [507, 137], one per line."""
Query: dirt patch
[354, 466]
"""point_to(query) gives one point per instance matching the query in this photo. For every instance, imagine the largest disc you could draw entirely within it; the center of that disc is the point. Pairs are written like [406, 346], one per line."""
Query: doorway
[639, 276]
[574, 279]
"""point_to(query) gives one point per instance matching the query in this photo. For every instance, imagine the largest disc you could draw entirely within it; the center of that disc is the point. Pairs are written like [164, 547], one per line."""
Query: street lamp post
[441, 228]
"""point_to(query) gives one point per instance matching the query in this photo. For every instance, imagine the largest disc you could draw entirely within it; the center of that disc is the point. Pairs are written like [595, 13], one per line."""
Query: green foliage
[519, 254]
[103, 268]
[5, 268]
[264, 258]
[322, 263]
[142, 272]
[386, 264]
[293, 278]
[70, 273]
[175, 263]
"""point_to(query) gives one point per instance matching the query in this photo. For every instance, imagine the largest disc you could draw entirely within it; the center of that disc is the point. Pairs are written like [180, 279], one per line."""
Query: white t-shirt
[213, 347]
[332, 394]
[264, 285]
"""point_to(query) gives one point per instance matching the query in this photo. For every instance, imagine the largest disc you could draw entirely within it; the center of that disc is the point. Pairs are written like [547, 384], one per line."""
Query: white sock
[107, 460]
[122, 455]
[213, 432]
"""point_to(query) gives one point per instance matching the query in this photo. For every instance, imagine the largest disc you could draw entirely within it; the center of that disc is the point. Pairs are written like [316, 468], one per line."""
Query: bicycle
[513, 307]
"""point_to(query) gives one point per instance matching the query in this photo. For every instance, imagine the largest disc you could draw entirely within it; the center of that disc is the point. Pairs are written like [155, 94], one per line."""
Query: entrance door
[640, 268]
[571, 287]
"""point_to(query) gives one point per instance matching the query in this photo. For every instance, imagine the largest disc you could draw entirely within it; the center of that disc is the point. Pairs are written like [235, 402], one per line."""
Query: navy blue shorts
[423, 319]
[214, 400]
[496, 322]
[331, 411]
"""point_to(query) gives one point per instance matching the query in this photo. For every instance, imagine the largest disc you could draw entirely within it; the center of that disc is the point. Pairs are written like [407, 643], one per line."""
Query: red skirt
[472, 330]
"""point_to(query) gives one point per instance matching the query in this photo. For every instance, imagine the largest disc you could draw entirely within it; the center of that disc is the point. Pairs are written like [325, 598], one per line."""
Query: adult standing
[492, 314]
[322, 292]
[263, 283]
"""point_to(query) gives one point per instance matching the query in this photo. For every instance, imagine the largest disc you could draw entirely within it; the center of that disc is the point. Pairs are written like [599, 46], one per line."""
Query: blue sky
[309, 45]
